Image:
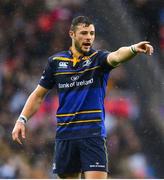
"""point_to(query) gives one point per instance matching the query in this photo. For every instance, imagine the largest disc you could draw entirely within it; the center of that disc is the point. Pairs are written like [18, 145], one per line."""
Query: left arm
[124, 54]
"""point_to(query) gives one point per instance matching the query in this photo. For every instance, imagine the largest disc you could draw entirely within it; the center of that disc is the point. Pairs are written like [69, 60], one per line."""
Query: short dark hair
[80, 20]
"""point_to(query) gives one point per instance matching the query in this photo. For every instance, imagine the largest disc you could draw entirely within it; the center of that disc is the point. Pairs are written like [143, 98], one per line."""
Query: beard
[78, 48]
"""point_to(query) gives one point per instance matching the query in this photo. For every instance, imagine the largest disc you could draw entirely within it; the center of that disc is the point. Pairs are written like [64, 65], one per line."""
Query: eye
[92, 33]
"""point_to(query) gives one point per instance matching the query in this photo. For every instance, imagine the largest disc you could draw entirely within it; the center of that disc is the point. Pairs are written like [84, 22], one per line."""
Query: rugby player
[80, 75]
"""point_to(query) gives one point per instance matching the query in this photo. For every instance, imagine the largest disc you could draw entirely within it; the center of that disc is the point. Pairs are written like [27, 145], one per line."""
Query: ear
[71, 33]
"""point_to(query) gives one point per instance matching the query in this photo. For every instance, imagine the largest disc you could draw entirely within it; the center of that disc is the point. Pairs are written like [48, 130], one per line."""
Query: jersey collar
[77, 58]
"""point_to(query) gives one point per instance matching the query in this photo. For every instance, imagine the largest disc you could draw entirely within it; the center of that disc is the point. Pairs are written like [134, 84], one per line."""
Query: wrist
[23, 119]
[133, 49]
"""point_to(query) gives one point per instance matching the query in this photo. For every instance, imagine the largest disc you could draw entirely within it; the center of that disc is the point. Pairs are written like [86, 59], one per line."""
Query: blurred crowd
[30, 32]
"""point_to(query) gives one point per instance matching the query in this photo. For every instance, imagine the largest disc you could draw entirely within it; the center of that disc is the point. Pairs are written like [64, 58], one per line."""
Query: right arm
[124, 54]
[32, 105]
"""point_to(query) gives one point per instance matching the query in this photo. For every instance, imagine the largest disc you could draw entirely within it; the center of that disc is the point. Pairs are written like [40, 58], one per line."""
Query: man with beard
[80, 75]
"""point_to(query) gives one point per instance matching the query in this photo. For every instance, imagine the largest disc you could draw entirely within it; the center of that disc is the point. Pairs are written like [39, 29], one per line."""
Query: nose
[89, 36]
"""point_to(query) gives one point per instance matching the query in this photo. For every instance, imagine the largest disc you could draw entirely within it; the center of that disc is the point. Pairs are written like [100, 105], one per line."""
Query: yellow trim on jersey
[80, 112]
[80, 72]
[62, 58]
[87, 57]
[81, 121]
[59, 58]
[75, 61]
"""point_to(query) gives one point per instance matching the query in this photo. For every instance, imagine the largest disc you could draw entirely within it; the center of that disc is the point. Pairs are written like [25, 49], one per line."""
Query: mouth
[87, 45]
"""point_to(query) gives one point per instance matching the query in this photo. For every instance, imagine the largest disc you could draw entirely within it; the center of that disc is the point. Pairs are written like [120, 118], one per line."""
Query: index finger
[144, 42]
[18, 140]
[15, 137]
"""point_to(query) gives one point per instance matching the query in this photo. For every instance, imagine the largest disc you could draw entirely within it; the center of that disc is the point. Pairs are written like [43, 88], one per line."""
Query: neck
[75, 52]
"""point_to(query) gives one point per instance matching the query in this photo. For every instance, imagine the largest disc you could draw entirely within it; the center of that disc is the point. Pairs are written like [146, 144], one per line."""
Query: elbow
[113, 59]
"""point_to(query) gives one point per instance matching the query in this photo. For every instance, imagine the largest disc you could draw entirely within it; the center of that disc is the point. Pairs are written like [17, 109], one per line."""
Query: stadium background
[30, 31]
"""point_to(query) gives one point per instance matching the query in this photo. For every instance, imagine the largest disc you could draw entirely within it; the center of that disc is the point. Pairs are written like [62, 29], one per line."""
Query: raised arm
[32, 105]
[124, 54]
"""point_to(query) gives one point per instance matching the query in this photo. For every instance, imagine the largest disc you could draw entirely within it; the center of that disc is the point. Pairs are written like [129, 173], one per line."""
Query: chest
[77, 75]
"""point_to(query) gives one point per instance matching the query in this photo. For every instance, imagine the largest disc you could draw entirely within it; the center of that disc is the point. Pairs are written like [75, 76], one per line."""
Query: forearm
[32, 105]
[34, 101]
[122, 55]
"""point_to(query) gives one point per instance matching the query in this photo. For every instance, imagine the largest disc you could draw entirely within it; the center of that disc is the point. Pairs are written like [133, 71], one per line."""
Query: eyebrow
[86, 31]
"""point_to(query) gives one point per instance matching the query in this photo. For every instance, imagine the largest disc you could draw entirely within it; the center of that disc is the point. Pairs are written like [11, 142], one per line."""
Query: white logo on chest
[75, 77]
[63, 64]
[87, 62]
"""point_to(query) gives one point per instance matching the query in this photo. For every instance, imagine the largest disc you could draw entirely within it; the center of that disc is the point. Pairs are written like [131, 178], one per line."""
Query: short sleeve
[102, 55]
[47, 79]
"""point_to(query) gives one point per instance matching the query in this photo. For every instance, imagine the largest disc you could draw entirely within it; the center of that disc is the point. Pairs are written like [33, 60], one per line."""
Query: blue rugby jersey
[81, 85]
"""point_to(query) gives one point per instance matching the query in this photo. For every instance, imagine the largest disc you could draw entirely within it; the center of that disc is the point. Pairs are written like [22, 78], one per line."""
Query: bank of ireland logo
[63, 64]
[74, 78]
[87, 62]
